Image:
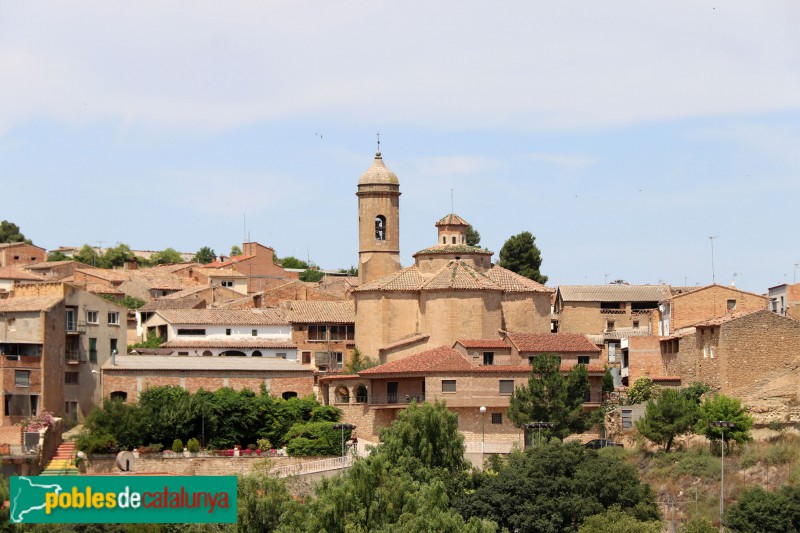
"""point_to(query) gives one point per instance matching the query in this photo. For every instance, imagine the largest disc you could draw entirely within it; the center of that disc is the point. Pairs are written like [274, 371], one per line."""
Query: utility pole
[713, 274]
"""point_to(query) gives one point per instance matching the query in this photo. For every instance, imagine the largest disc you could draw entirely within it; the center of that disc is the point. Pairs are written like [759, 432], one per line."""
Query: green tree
[262, 501]
[293, 262]
[9, 232]
[608, 381]
[721, 407]
[473, 236]
[114, 425]
[169, 256]
[643, 389]
[56, 256]
[667, 417]
[695, 391]
[235, 250]
[358, 362]
[205, 255]
[153, 341]
[117, 256]
[87, 255]
[312, 275]
[548, 397]
[760, 511]
[616, 521]
[521, 255]
[698, 524]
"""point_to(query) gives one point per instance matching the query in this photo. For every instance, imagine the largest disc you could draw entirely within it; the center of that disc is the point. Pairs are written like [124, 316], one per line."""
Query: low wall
[189, 466]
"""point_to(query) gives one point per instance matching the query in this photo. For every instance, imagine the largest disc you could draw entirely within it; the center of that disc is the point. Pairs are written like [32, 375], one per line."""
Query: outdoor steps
[63, 462]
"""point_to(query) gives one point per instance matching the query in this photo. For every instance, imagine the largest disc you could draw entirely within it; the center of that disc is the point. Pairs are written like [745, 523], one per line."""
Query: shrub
[177, 446]
[44, 420]
[264, 444]
[193, 445]
[252, 447]
[698, 525]
[152, 448]
[97, 443]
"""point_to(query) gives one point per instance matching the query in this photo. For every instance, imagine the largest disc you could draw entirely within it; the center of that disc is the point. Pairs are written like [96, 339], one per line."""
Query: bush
[264, 444]
[177, 446]
[698, 525]
[252, 447]
[314, 438]
[193, 445]
[96, 443]
[152, 448]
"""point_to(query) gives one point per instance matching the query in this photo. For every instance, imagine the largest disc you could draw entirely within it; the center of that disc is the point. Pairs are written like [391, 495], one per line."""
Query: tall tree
[548, 397]
[235, 250]
[521, 255]
[473, 236]
[57, 256]
[761, 511]
[293, 262]
[170, 256]
[87, 255]
[721, 407]
[9, 232]
[671, 415]
[312, 275]
[205, 255]
[117, 256]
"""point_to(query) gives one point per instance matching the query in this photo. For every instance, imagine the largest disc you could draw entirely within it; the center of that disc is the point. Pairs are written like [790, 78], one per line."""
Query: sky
[621, 134]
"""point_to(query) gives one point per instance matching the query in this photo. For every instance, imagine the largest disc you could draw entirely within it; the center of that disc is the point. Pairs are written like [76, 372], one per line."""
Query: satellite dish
[125, 461]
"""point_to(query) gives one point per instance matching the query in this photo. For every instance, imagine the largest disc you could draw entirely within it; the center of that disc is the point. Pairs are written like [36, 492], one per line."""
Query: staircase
[63, 462]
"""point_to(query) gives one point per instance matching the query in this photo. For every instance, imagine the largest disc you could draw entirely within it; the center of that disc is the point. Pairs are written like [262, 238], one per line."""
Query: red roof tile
[552, 342]
[452, 220]
[441, 359]
[483, 343]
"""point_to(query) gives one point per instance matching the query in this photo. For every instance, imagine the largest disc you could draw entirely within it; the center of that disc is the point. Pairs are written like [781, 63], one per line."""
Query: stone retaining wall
[189, 466]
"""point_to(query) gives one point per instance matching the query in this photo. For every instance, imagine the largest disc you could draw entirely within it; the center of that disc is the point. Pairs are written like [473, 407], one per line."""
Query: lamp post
[539, 426]
[343, 427]
[722, 424]
[483, 432]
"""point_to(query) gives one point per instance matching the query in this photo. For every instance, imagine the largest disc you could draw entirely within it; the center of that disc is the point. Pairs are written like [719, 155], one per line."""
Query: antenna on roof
[733, 282]
[378, 135]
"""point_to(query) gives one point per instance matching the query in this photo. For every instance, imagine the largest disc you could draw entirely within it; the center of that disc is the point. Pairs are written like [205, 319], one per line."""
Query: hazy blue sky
[621, 134]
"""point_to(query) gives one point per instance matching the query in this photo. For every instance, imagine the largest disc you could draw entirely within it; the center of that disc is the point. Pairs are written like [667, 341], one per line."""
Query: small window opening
[380, 228]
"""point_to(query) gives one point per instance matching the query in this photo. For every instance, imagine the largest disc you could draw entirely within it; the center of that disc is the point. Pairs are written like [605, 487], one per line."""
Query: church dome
[378, 174]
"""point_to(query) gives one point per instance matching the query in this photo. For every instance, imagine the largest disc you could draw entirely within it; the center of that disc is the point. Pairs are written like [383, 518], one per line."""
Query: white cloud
[527, 65]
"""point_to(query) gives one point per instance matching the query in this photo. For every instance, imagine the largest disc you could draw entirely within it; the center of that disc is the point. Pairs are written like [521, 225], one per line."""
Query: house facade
[20, 253]
[324, 332]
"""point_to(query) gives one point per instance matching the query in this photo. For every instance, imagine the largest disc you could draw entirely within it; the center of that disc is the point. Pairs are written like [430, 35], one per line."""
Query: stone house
[324, 332]
[689, 308]
[54, 338]
[572, 348]
[127, 376]
[257, 263]
[11, 276]
[220, 277]
[20, 253]
[150, 283]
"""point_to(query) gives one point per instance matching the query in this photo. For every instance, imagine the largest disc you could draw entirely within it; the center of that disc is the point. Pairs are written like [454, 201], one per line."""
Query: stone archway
[341, 394]
[362, 394]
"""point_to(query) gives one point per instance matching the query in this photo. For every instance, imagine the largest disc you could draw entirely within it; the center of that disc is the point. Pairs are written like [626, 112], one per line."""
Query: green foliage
[695, 391]
[358, 362]
[177, 446]
[293, 262]
[325, 413]
[671, 415]
[170, 256]
[165, 413]
[352, 271]
[56, 256]
[721, 407]
[264, 444]
[311, 275]
[615, 521]
[87, 255]
[548, 397]
[262, 502]
[643, 389]
[153, 341]
[698, 525]
[131, 302]
[193, 445]
[760, 511]
[521, 255]
[608, 381]
[315, 438]
[111, 427]
[473, 236]
[9, 232]
[205, 255]
[116, 257]
[554, 487]
[235, 250]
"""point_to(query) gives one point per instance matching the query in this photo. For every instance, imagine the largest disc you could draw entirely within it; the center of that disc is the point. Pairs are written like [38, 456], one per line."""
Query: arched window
[207, 353]
[454, 239]
[257, 353]
[289, 394]
[233, 353]
[341, 394]
[361, 394]
[119, 395]
[380, 228]
[444, 240]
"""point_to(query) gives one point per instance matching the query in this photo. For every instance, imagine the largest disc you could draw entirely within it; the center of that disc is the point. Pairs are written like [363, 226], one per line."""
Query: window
[711, 350]
[183, 353]
[207, 353]
[92, 317]
[774, 303]
[227, 283]
[609, 325]
[22, 378]
[444, 240]
[343, 332]
[306, 358]
[11, 323]
[71, 409]
[506, 387]
[112, 346]
[380, 228]
[497, 418]
[289, 394]
[92, 350]
[635, 324]
[731, 305]
[72, 321]
[71, 378]
[583, 359]
[119, 395]
[448, 385]
[186, 331]
[488, 358]
[627, 418]
[113, 318]
[454, 240]
[337, 359]
[279, 355]
[228, 331]
[255, 333]
[257, 353]
[317, 333]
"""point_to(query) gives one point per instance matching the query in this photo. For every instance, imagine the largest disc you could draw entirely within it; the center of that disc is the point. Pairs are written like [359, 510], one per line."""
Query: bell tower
[378, 222]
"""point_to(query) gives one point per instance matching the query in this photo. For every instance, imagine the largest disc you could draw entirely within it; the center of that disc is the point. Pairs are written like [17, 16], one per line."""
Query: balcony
[73, 357]
[612, 311]
[392, 399]
[74, 327]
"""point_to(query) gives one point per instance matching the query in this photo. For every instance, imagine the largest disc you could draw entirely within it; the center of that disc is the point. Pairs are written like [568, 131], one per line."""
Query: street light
[343, 427]
[539, 426]
[722, 424]
[483, 432]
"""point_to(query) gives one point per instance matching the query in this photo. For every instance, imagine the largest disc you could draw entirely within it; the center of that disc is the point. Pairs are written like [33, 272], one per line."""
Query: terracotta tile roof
[231, 261]
[219, 272]
[526, 369]
[452, 220]
[613, 293]
[731, 289]
[552, 342]
[46, 265]
[248, 343]
[29, 303]
[454, 249]
[155, 279]
[483, 343]
[457, 275]
[12, 244]
[107, 274]
[407, 279]
[177, 267]
[94, 288]
[155, 363]
[624, 333]
[718, 321]
[411, 339]
[512, 282]
[318, 312]
[167, 303]
[337, 377]
[17, 273]
[256, 317]
[441, 359]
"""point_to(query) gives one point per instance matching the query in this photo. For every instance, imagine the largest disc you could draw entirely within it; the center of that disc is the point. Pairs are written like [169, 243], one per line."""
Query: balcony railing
[403, 399]
[74, 357]
[73, 326]
[612, 311]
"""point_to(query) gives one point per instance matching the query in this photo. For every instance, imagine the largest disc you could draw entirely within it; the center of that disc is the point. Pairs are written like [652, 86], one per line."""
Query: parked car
[596, 444]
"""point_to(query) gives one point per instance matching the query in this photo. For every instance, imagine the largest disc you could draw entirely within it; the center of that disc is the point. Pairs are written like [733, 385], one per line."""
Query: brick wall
[262, 264]
[644, 358]
[11, 435]
[188, 466]
[21, 254]
[296, 291]
[711, 302]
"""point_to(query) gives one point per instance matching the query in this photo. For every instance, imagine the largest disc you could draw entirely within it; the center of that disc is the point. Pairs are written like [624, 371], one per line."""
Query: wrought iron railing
[385, 399]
